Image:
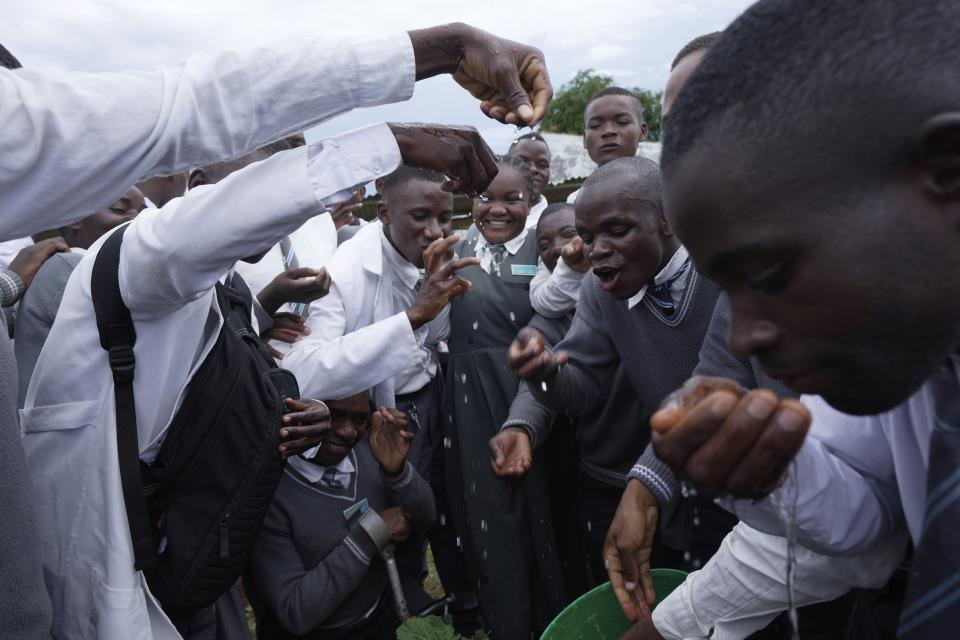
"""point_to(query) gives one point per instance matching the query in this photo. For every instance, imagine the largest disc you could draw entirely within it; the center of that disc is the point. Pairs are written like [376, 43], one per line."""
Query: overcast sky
[631, 40]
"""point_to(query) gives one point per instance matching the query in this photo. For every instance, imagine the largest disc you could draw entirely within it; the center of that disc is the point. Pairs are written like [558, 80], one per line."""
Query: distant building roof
[568, 158]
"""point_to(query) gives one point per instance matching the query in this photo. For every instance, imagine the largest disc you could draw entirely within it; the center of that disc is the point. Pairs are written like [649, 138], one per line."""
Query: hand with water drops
[531, 359]
[389, 440]
[441, 283]
[458, 152]
[509, 78]
[720, 437]
[627, 548]
[510, 453]
[643, 630]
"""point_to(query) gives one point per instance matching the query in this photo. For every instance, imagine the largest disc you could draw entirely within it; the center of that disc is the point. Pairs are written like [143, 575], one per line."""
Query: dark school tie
[660, 293]
[330, 479]
[932, 605]
[499, 252]
[290, 262]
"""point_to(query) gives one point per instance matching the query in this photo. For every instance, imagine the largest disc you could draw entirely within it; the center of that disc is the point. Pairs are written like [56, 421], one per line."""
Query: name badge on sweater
[523, 270]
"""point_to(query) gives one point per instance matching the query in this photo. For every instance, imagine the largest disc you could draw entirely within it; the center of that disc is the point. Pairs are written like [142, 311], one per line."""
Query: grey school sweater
[656, 352]
[24, 604]
[308, 571]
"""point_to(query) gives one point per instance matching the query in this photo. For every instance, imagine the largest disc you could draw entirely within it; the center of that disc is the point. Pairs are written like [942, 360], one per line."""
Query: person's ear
[383, 212]
[643, 131]
[665, 229]
[937, 152]
[197, 177]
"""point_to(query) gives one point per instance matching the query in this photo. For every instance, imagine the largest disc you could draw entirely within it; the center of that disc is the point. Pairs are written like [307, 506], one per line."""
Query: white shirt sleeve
[72, 142]
[743, 587]
[176, 254]
[554, 295]
[842, 486]
[334, 363]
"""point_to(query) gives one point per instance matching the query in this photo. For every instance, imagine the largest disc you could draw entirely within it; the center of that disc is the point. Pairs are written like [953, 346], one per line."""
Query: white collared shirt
[314, 472]
[486, 255]
[404, 277]
[668, 271]
[535, 212]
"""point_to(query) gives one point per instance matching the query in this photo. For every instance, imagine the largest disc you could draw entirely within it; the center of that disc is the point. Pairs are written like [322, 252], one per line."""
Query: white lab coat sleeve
[72, 142]
[331, 363]
[176, 254]
[554, 295]
[841, 488]
[743, 586]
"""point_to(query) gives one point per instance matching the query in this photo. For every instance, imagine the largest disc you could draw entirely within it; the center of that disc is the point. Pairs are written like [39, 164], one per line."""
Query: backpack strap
[117, 337]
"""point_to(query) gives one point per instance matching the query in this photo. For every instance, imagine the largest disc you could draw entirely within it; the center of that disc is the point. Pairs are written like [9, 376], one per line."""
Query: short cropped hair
[700, 43]
[406, 174]
[643, 173]
[532, 135]
[552, 209]
[616, 91]
[8, 60]
[857, 76]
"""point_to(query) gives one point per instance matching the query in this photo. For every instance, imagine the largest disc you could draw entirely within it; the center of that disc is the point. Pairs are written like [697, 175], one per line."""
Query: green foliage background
[566, 111]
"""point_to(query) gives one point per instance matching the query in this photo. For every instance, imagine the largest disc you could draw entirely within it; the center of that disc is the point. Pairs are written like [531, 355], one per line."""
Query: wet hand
[26, 263]
[721, 438]
[572, 254]
[295, 285]
[389, 440]
[643, 630]
[510, 453]
[458, 152]
[627, 548]
[304, 428]
[398, 521]
[287, 327]
[509, 78]
[530, 358]
[441, 283]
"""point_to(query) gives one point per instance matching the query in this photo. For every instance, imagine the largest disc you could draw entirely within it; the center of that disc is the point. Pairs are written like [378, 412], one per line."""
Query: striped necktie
[499, 252]
[330, 478]
[932, 605]
[290, 262]
[661, 295]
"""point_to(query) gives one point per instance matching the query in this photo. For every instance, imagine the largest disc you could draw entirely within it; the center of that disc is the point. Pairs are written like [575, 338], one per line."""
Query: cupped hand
[303, 285]
[720, 437]
[458, 152]
[510, 453]
[398, 521]
[389, 439]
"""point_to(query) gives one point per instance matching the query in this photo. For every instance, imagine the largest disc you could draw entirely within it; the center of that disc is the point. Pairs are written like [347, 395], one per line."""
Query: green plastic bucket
[596, 615]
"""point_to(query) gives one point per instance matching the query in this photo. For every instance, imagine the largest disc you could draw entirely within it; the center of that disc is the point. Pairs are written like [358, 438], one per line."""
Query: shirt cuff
[656, 476]
[335, 166]
[11, 288]
[386, 69]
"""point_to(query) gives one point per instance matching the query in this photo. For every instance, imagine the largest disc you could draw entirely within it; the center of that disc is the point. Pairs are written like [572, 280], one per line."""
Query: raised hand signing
[441, 283]
[389, 440]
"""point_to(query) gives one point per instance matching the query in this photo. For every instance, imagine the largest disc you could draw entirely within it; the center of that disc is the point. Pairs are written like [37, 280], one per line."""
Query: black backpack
[195, 512]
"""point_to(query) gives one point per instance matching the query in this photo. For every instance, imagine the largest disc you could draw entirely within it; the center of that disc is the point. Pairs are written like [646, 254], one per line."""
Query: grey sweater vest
[657, 352]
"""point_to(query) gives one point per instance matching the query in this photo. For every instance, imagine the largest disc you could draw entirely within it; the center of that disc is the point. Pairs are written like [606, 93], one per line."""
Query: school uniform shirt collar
[486, 256]
[314, 472]
[669, 270]
[535, 212]
[407, 272]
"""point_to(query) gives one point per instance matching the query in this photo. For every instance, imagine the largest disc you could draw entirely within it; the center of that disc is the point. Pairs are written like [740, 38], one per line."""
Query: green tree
[566, 111]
